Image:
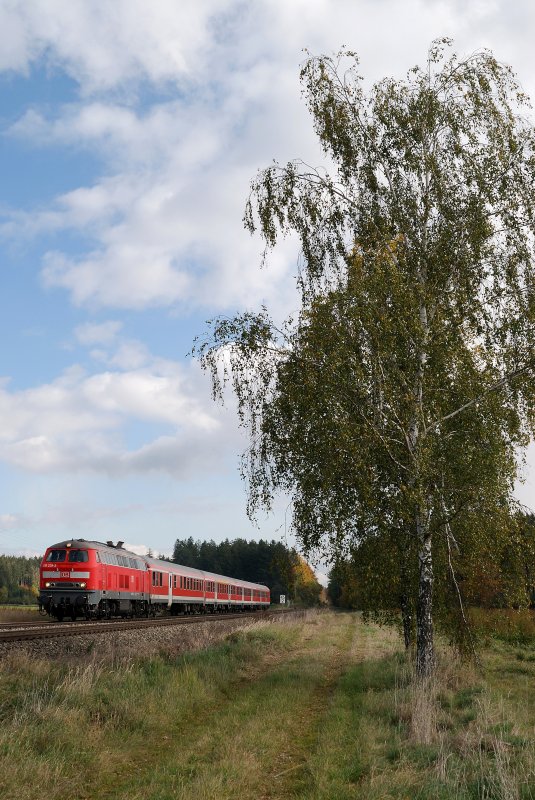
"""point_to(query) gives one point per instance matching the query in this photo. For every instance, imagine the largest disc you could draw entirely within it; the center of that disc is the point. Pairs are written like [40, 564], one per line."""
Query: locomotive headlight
[47, 584]
[83, 585]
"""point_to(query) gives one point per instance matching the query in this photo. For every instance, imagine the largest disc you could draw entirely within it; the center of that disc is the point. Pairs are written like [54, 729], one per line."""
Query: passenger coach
[79, 578]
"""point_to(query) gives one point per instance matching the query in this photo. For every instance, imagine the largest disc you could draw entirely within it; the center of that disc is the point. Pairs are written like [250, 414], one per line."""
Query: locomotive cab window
[80, 556]
[56, 555]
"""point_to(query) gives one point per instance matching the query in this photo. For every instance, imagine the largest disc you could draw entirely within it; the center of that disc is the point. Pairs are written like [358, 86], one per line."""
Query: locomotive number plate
[64, 575]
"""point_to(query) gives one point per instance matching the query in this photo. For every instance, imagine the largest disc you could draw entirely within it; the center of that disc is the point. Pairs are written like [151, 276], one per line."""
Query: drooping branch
[501, 382]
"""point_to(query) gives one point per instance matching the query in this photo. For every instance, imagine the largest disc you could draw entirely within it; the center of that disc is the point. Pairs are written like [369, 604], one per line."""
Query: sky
[130, 132]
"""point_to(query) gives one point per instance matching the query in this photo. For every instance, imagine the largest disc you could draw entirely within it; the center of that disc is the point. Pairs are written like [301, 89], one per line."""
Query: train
[93, 580]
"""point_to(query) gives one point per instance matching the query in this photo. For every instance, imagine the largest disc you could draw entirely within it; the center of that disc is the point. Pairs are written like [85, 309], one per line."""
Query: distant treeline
[19, 579]
[502, 576]
[271, 563]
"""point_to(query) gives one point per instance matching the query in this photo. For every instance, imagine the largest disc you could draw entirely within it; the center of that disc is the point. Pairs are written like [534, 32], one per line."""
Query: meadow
[14, 613]
[323, 708]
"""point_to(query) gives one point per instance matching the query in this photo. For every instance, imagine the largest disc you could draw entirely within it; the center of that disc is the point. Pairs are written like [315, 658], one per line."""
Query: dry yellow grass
[322, 709]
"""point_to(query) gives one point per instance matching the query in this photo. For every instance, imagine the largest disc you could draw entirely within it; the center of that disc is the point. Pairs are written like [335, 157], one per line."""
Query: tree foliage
[270, 563]
[496, 571]
[392, 406]
[19, 579]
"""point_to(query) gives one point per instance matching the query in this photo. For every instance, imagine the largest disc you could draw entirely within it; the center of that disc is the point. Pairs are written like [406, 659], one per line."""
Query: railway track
[49, 630]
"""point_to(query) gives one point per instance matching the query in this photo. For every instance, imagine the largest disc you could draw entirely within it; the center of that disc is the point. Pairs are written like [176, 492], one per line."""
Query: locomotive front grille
[64, 585]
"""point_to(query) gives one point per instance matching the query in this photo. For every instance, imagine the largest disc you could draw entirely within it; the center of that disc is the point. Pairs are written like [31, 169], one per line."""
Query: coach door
[170, 598]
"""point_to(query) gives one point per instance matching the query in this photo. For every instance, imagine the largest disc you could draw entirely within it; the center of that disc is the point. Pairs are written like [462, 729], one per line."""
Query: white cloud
[161, 224]
[171, 233]
[165, 225]
[122, 275]
[164, 222]
[81, 421]
[9, 521]
[105, 44]
[98, 333]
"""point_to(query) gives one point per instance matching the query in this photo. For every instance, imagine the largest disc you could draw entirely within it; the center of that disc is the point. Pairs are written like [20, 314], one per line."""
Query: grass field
[18, 613]
[322, 709]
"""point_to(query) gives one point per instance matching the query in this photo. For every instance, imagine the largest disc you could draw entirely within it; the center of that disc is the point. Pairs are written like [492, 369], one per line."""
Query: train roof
[239, 581]
[74, 543]
[192, 572]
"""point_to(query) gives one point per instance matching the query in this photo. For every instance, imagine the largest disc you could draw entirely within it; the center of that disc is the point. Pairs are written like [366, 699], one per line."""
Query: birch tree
[398, 396]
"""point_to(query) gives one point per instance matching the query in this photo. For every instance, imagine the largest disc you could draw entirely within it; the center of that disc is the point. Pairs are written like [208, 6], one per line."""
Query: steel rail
[48, 631]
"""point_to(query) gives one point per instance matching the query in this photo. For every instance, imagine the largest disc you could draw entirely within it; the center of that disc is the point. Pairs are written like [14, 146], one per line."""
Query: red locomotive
[96, 581]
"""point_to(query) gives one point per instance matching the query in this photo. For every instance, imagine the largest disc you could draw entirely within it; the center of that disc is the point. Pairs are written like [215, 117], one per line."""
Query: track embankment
[124, 638]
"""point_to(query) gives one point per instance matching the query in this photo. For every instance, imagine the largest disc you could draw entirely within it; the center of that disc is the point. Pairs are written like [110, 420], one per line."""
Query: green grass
[321, 710]
[18, 613]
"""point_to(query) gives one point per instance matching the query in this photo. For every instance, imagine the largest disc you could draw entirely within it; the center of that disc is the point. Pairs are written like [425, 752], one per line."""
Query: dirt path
[255, 741]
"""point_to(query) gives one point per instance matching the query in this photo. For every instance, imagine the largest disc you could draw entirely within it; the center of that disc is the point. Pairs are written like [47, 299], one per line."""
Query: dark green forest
[19, 579]
[280, 568]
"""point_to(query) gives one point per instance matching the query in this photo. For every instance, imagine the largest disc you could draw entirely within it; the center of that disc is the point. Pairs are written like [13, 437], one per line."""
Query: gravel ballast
[116, 645]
